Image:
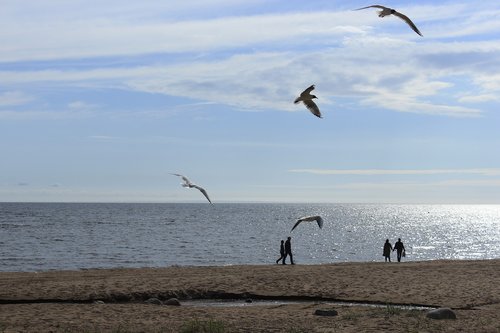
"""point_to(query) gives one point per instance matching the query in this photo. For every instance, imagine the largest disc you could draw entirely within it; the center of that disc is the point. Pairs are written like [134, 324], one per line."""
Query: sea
[75, 236]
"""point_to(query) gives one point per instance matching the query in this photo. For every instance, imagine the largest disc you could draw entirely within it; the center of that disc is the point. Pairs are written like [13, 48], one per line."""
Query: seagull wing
[306, 94]
[316, 218]
[202, 190]
[187, 182]
[373, 6]
[319, 219]
[408, 21]
[296, 224]
[307, 91]
[311, 106]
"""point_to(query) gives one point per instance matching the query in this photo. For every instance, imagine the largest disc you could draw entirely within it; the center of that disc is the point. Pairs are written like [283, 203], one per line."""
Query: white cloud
[393, 172]
[13, 98]
[489, 81]
[404, 99]
[81, 105]
[255, 81]
[481, 98]
[333, 49]
[453, 20]
[103, 137]
[94, 38]
[470, 183]
[80, 29]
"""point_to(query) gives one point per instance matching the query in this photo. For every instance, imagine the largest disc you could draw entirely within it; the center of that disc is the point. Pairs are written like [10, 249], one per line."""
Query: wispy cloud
[255, 80]
[96, 38]
[332, 48]
[81, 105]
[481, 98]
[103, 137]
[79, 30]
[13, 98]
[393, 172]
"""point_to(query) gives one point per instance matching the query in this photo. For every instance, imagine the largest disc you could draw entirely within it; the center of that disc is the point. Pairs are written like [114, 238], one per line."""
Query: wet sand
[65, 301]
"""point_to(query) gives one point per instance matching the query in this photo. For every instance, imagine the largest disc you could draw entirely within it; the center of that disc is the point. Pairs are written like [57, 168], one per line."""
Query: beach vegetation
[392, 310]
[203, 326]
[414, 313]
[352, 316]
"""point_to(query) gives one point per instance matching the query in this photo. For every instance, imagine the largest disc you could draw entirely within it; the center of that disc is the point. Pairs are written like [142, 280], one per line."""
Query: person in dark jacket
[282, 252]
[400, 249]
[288, 251]
[387, 250]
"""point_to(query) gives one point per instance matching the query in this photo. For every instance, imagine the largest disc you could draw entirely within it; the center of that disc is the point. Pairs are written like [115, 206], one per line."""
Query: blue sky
[102, 100]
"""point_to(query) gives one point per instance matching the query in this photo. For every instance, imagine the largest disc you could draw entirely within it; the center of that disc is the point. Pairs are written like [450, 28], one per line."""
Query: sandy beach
[113, 300]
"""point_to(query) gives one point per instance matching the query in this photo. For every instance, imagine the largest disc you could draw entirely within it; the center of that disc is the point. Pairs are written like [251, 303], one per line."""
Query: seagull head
[313, 96]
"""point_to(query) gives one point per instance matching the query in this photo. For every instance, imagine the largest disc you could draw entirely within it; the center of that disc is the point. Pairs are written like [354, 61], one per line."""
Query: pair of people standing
[285, 250]
[399, 247]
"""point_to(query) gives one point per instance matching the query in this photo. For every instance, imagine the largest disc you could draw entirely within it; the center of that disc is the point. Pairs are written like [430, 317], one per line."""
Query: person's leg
[291, 258]
[284, 259]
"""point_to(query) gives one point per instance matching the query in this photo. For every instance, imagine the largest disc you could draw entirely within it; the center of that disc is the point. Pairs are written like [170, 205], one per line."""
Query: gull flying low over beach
[388, 11]
[187, 183]
[316, 218]
[306, 98]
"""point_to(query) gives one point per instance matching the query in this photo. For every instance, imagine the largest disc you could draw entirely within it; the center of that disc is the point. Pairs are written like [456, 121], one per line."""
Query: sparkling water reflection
[74, 236]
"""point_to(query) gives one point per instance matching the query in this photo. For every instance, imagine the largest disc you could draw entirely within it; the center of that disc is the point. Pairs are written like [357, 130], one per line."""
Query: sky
[101, 101]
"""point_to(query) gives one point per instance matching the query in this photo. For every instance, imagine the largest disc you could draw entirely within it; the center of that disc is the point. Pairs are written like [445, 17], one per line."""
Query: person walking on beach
[400, 249]
[387, 250]
[282, 252]
[288, 251]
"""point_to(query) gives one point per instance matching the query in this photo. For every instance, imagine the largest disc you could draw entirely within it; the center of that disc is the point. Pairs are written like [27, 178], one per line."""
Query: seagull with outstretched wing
[389, 11]
[187, 183]
[313, 218]
[306, 98]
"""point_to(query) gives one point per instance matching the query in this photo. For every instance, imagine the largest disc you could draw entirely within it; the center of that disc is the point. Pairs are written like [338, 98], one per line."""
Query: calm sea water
[46, 236]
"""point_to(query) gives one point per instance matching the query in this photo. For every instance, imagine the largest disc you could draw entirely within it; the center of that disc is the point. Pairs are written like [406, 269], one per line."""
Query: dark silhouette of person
[288, 251]
[400, 248]
[282, 252]
[387, 250]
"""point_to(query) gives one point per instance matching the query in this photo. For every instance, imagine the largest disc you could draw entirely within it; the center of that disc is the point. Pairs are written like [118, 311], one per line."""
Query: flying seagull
[189, 184]
[316, 218]
[307, 99]
[388, 11]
